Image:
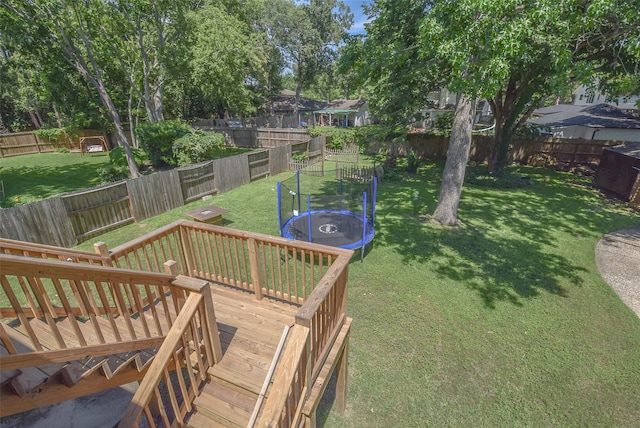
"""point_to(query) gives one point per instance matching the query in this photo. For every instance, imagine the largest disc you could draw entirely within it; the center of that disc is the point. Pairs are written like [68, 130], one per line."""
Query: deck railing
[260, 264]
[20, 248]
[48, 291]
[174, 379]
[311, 276]
[291, 382]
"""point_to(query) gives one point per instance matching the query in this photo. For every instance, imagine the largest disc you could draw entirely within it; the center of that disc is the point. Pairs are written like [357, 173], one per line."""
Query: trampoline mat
[335, 228]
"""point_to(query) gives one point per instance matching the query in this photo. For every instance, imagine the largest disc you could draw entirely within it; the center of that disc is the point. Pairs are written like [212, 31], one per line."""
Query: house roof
[592, 116]
[343, 106]
[286, 101]
[629, 149]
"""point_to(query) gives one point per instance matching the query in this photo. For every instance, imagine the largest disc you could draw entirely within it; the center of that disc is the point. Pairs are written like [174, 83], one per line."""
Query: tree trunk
[446, 212]
[297, 99]
[499, 154]
[121, 137]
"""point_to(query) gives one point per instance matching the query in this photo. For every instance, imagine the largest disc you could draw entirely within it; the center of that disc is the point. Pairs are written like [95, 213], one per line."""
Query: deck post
[187, 250]
[101, 249]
[212, 324]
[255, 271]
[341, 382]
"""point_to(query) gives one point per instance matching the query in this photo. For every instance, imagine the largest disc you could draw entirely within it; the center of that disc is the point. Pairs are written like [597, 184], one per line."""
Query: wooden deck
[205, 306]
[250, 331]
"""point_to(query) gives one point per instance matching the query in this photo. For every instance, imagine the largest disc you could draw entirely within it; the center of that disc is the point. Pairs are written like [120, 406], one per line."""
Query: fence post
[37, 142]
[255, 271]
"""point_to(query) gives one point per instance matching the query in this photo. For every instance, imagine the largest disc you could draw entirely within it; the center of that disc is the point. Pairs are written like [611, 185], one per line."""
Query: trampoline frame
[368, 229]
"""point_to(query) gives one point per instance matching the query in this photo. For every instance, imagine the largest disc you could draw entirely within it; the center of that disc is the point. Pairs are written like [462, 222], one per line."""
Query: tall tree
[72, 27]
[510, 52]
[227, 57]
[308, 34]
[150, 41]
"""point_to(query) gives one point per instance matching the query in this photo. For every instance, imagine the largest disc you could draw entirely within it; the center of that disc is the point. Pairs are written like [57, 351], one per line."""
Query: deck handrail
[260, 264]
[325, 312]
[175, 352]
[53, 289]
[291, 382]
[10, 246]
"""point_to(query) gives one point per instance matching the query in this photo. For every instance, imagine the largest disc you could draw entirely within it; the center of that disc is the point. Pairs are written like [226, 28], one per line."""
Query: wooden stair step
[73, 371]
[6, 375]
[200, 420]
[31, 379]
[113, 363]
[145, 357]
[239, 373]
[225, 405]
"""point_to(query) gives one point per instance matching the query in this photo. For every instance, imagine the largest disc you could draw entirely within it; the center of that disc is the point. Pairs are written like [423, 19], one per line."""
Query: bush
[111, 173]
[117, 157]
[118, 169]
[157, 140]
[444, 121]
[413, 162]
[197, 146]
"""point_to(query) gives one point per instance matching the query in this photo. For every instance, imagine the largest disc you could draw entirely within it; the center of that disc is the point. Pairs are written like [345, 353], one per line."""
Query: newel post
[306, 322]
[255, 271]
[210, 315]
[101, 249]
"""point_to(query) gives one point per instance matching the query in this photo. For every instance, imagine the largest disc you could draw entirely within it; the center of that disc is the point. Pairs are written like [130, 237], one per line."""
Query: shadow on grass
[32, 183]
[503, 251]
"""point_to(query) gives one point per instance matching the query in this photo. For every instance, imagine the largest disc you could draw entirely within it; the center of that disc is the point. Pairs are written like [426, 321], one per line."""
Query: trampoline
[339, 214]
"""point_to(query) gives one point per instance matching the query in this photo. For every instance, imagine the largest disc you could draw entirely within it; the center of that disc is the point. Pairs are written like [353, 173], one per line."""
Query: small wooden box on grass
[209, 214]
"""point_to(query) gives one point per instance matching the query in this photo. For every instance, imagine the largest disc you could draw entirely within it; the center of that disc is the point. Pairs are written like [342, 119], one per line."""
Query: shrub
[413, 162]
[197, 146]
[53, 134]
[157, 140]
[117, 157]
[118, 169]
[444, 121]
[111, 173]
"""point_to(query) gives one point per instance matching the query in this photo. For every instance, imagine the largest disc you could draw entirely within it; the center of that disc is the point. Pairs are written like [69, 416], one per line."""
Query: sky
[359, 18]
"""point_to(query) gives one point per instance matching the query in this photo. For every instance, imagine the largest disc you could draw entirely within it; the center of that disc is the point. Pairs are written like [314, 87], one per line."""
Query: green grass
[503, 321]
[30, 178]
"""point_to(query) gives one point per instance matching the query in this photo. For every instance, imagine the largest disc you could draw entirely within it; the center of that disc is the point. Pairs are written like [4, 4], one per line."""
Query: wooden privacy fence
[313, 152]
[196, 181]
[569, 150]
[71, 218]
[24, 143]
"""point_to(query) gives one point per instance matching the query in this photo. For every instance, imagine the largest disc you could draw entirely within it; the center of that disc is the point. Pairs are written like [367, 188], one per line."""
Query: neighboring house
[585, 96]
[285, 103]
[590, 122]
[344, 113]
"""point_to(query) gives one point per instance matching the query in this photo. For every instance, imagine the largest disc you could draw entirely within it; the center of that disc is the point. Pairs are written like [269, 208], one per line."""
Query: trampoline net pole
[364, 224]
[279, 192]
[309, 217]
[298, 183]
[373, 202]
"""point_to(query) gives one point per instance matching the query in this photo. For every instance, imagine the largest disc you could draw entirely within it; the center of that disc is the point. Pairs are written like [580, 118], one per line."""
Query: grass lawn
[30, 178]
[503, 321]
